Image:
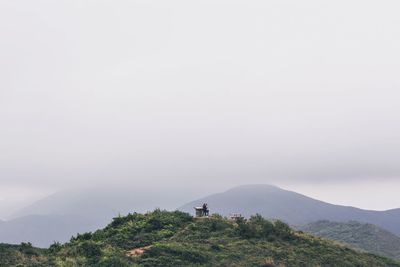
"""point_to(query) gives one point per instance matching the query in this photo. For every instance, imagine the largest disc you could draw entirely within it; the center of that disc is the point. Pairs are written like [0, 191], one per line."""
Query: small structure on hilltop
[235, 216]
[199, 211]
[202, 211]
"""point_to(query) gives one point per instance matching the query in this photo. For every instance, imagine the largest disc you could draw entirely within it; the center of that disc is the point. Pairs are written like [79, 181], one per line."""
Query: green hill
[367, 237]
[162, 238]
[296, 209]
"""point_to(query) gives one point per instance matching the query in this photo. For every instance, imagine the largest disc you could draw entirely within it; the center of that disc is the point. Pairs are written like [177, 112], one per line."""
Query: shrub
[282, 230]
[54, 248]
[243, 228]
[175, 252]
[27, 249]
[113, 261]
[89, 249]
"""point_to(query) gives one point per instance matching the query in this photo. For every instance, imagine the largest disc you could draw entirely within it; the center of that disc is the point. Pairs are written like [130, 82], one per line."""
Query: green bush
[177, 254]
[89, 249]
[113, 261]
[282, 230]
[28, 249]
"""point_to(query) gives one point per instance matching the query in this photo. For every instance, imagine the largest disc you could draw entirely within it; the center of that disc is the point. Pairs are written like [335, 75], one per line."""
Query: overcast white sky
[303, 94]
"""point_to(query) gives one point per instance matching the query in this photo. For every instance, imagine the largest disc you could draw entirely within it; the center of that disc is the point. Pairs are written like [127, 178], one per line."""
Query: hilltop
[296, 209]
[162, 238]
[367, 237]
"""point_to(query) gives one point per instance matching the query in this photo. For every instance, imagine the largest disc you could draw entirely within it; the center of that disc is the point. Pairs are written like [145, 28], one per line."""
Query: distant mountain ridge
[364, 236]
[43, 230]
[100, 201]
[169, 239]
[88, 209]
[65, 213]
[291, 207]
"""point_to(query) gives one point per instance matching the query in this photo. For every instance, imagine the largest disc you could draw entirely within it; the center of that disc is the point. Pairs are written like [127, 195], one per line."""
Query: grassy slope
[367, 237]
[21, 255]
[176, 239]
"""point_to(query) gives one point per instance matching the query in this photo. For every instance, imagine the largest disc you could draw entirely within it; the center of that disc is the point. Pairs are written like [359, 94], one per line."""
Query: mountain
[87, 209]
[103, 201]
[162, 238]
[43, 230]
[65, 213]
[367, 237]
[293, 208]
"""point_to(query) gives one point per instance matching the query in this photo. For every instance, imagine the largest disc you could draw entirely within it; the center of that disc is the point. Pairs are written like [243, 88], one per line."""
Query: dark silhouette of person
[205, 209]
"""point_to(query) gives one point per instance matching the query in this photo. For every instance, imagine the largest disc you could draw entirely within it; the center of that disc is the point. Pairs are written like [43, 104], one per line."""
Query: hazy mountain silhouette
[296, 209]
[63, 214]
[101, 202]
[43, 230]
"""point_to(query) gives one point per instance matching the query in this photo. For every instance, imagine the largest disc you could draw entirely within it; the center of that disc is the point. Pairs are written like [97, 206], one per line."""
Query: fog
[199, 96]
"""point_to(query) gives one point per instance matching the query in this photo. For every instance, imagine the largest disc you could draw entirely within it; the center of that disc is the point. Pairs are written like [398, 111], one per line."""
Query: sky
[301, 94]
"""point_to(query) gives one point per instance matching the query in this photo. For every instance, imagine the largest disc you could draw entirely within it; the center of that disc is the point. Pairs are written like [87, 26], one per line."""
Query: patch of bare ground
[137, 251]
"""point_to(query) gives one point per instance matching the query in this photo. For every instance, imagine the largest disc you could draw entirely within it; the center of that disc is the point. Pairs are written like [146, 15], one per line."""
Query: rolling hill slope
[367, 237]
[162, 239]
[293, 208]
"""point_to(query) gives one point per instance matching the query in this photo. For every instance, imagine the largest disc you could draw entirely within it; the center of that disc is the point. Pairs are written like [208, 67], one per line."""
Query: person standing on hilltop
[205, 209]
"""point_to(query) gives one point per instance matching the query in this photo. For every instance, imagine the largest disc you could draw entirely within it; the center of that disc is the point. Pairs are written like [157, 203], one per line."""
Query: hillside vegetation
[363, 236]
[162, 238]
[294, 208]
[63, 214]
[21, 255]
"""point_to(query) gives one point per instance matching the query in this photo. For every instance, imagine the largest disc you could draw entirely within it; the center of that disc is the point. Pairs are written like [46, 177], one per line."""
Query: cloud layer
[222, 92]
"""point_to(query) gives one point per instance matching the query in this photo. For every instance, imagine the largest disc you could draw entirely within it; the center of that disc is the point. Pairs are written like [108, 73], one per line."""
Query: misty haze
[182, 133]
